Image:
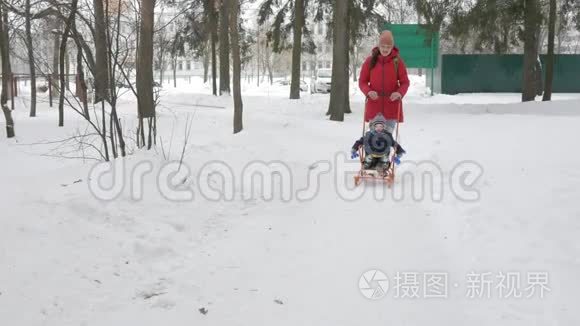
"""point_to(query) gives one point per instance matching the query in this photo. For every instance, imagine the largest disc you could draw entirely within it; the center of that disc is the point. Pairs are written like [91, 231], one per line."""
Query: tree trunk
[113, 55]
[86, 49]
[224, 49]
[146, 105]
[213, 40]
[339, 97]
[161, 67]
[297, 49]
[538, 76]
[258, 57]
[206, 57]
[354, 61]
[420, 70]
[9, 121]
[6, 73]
[8, 68]
[62, 69]
[101, 68]
[531, 24]
[67, 69]
[174, 72]
[104, 131]
[213, 63]
[550, 57]
[214, 60]
[235, 38]
[31, 66]
[115, 121]
[81, 83]
[268, 63]
[55, 56]
[346, 79]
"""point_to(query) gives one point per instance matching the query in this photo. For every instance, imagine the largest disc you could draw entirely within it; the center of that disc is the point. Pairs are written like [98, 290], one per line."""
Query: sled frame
[388, 176]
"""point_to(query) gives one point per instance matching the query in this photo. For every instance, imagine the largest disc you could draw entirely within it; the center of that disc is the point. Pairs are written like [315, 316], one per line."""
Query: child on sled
[377, 143]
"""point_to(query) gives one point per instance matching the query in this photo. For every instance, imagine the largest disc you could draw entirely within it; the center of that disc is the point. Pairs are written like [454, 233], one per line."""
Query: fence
[503, 73]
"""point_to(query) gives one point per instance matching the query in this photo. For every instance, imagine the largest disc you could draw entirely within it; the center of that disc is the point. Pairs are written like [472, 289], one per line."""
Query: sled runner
[377, 172]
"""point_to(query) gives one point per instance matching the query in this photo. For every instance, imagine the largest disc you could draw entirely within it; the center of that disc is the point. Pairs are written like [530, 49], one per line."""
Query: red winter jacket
[383, 80]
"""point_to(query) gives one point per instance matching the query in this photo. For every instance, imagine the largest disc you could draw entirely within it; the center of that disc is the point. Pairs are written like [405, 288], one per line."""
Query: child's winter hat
[378, 119]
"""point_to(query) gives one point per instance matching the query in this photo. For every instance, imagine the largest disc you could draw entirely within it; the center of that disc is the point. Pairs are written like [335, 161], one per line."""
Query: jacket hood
[376, 120]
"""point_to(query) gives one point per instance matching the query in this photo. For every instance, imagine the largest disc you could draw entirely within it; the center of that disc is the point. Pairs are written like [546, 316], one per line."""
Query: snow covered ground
[495, 220]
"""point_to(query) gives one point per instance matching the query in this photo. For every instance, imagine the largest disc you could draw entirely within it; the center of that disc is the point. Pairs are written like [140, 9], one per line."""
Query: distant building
[322, 59]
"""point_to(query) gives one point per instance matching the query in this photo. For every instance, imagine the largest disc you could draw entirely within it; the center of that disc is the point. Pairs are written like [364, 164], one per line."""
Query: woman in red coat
[384, 81]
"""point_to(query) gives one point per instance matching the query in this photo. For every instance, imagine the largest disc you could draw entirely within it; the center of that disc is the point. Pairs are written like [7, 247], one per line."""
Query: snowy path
[69, 259]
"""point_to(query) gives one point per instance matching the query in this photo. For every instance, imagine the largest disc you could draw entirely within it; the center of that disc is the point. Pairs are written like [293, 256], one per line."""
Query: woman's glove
[373, 95]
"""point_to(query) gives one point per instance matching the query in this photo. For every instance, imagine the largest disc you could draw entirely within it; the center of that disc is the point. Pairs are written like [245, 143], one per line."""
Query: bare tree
[235, 41]
[213, 40]
[339, 97]
[146, 105]
[55, 55]
[81, 85]
[56, 14]
[101, 68]
[62, 52]
[224, 48]
[116, 62]
[6, 72]
[31, 65]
